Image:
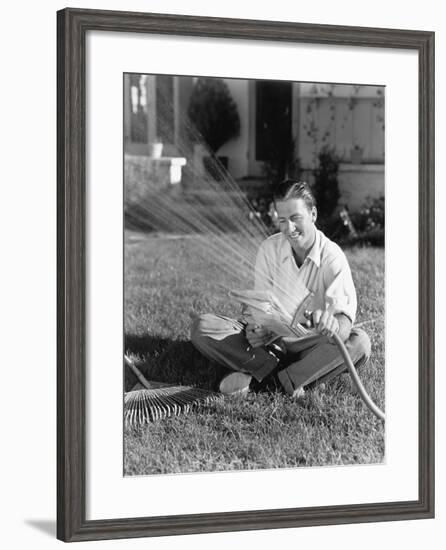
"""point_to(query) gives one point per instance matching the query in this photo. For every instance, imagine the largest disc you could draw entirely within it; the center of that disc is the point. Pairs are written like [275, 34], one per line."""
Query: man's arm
[340, 298]
[256, 335]
[327, 323]
[345, 326]
[340, 292]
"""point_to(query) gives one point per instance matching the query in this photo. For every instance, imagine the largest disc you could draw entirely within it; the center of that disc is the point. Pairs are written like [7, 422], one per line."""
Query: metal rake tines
[147, 405]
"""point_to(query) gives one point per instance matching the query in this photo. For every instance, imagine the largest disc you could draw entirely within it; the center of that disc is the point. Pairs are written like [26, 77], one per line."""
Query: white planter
[155, 150]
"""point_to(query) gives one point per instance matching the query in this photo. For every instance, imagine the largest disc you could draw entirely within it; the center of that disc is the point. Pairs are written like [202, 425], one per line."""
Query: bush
[371, 217]
[214, 112]
[369, 223]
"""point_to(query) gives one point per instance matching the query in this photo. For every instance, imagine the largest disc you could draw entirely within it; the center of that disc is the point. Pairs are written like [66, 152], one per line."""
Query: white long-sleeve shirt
[325, 273]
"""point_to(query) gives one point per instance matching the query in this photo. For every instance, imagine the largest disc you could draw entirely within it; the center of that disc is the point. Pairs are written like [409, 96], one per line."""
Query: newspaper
[267, 312]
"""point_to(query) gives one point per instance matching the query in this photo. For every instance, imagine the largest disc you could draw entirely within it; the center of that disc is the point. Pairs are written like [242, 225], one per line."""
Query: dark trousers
[223, 340]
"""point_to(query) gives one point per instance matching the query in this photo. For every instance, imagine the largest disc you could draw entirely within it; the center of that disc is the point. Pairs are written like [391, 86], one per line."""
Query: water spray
[229, 240]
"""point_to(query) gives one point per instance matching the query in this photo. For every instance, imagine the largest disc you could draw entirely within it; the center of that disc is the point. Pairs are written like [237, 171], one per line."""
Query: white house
[348, 118]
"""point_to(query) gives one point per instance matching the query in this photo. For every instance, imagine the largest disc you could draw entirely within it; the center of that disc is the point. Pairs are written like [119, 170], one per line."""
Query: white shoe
[235, 383]
[298, 393]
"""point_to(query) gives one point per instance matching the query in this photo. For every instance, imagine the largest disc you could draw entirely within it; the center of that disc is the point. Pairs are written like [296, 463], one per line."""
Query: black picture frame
[72, 26]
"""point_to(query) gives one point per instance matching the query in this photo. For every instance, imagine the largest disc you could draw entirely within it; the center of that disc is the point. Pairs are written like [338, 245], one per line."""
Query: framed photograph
[245, 275]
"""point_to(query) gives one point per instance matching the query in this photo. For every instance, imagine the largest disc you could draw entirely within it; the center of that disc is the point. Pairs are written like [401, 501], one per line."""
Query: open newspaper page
[268, 312]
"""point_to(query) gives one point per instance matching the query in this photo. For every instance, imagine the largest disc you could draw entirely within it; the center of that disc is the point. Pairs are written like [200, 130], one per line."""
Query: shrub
[369, 223]
[371, 217]
[214, 112]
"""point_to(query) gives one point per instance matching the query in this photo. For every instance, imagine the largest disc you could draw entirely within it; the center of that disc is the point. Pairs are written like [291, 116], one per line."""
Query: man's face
[296, 222]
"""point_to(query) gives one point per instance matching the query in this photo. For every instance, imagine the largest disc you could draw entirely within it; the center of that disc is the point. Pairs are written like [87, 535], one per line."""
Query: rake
[158, 400]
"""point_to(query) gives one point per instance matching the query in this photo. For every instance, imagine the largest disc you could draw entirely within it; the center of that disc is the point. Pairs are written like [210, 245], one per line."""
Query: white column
[151, 108]
[127, 109]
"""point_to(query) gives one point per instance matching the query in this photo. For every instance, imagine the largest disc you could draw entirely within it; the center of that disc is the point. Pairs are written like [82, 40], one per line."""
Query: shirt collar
[315, 253]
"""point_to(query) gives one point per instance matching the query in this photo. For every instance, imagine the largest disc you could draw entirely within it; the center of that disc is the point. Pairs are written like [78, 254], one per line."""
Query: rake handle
[136, 372]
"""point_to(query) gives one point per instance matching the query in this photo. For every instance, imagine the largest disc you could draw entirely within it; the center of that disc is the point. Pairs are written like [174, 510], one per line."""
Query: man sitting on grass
[299, 256]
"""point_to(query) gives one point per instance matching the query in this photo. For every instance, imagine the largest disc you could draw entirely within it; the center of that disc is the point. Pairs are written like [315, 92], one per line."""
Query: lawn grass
[164, 282]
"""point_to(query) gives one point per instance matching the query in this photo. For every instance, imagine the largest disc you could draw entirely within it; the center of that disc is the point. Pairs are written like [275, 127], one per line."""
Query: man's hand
[325, 322]
[257, 336]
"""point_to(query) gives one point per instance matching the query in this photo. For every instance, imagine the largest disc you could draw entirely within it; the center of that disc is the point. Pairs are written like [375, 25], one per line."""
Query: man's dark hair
[292, 189]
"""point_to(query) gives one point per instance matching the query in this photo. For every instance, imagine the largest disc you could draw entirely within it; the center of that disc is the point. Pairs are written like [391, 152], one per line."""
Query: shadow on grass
[171, 361]
[179, 362]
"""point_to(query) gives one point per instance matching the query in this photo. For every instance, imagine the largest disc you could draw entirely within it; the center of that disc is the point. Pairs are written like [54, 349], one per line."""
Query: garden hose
[351, 368]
